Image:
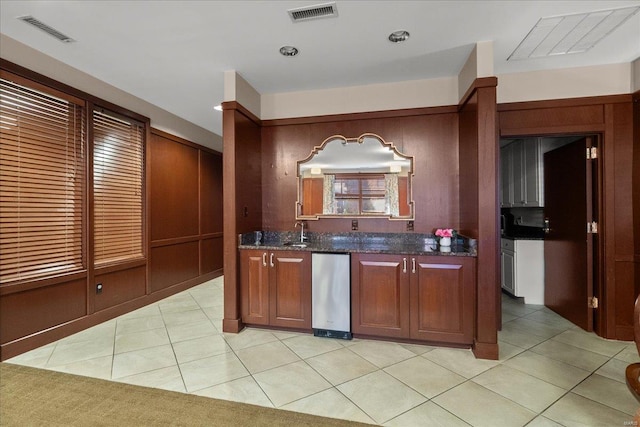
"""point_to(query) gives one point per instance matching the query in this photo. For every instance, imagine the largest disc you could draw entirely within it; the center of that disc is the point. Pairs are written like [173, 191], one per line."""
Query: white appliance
[331, 295]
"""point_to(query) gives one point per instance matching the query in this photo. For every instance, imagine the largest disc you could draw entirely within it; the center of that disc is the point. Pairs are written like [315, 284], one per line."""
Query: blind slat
[42, 155]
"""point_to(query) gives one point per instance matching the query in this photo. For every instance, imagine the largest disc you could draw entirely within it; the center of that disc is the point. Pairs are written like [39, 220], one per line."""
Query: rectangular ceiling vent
[565, 34]
[326, 10]
[47, 29]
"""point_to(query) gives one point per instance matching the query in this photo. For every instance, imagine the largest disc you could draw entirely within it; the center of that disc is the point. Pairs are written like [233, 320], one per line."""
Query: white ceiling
[173, 53]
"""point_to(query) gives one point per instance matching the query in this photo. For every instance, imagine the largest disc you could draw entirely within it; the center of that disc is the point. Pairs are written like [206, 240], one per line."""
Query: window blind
[118, 160]
[42, 178]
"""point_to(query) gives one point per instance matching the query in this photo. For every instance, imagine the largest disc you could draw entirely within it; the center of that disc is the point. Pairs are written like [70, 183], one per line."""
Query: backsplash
[530, 217]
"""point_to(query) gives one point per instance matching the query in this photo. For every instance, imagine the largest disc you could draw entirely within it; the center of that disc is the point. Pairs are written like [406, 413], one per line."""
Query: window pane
[348, 206]
[42, 157]
[117, 181]
[375, 205]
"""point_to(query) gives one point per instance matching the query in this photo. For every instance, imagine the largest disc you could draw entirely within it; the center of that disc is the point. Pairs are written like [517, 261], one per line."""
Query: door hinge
[593, 302]
[592, 153]
[592, 227]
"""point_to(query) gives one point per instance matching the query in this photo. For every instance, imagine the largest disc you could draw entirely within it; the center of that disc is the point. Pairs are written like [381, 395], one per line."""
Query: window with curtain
[118, 170]
[42, 179]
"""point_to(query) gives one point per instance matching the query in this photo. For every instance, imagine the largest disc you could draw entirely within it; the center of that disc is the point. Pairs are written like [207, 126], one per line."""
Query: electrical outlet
[99, 288]
[354, 225]
[409, 225]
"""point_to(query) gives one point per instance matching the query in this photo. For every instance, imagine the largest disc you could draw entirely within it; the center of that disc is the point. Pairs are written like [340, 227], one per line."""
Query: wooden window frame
[359, 196]
[40, 82]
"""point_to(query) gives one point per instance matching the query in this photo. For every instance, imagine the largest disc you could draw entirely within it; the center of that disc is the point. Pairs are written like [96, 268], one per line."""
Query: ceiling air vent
[326, 10]
[47, 29]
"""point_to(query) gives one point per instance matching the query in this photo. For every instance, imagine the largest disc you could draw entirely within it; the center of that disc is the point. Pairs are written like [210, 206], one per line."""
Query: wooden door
[568, 277]
[442, 299]
[254, 287]
[380, 295]
[290, 289]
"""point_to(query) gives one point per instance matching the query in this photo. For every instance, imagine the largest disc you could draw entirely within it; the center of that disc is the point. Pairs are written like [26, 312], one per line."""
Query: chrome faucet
[302, 236]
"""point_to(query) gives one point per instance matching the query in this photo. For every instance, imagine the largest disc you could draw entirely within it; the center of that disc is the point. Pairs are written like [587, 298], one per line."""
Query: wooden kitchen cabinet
[380, 295]
[442, 299]
[275, 288]
[429, 298]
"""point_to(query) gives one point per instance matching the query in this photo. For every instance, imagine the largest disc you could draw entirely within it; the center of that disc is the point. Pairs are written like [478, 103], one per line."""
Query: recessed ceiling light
[218, 108]
[288, 51]
[399, 36]
[560, 35]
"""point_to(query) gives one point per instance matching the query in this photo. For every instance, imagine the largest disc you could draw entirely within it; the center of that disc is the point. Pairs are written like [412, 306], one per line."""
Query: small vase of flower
[445, 235]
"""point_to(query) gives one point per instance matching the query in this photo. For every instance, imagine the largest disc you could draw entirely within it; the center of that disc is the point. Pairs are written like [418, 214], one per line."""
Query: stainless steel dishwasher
[331, 295]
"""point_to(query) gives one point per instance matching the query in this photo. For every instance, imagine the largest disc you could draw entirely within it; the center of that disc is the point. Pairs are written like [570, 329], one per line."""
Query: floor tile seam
[545, 337]
[140, 349]
[248, 372]
[542, 379]
[578, 350]
[432, 401]
[599, 403]
[419, 392]
[593, 400]
[584, 349]
[581, 349]
[564, 393]
[344, 382]
[141, 331]
[457, 373]
[194, 391]
[362, 409]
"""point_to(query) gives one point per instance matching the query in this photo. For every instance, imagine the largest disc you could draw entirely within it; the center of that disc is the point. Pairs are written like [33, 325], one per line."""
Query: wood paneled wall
[429, 135]
[186, 211]
[611, 117]
[479, 206]
[242, 170]
[183, 236]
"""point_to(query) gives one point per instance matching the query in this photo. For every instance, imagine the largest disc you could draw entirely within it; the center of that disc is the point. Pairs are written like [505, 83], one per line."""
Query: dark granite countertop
[374, 243]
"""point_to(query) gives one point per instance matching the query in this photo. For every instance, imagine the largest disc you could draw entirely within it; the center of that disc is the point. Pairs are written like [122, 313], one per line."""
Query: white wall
[612, 79]
[356, 99]
[236, 88]
[34, 60]
[636, 75]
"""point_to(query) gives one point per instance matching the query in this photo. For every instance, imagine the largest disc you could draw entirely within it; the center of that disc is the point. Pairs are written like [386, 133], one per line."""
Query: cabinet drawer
[507, 244]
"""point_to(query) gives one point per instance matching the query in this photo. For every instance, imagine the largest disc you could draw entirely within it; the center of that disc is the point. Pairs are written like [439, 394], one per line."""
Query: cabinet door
[290, 289]
[508, 260]
[532, 173]
[519, 173]
[506, 176]
[380, 295]
[254, 287]
[443, 299]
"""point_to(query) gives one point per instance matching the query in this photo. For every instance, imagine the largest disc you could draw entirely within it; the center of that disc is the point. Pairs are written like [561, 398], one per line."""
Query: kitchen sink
[296, 244]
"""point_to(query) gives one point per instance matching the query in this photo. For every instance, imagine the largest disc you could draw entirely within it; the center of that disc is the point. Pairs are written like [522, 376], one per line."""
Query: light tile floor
[549, 373]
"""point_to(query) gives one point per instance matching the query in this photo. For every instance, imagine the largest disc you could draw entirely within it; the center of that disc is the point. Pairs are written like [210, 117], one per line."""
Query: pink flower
[444, 232]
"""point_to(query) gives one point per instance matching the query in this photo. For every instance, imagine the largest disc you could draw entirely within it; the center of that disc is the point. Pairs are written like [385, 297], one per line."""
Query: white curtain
[392, 206]
[328, 195]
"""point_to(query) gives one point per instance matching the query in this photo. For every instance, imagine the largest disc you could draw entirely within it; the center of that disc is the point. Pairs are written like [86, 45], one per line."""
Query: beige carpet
[35, 397]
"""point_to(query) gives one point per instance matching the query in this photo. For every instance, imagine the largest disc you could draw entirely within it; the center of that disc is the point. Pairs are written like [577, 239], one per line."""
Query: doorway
[562, 214]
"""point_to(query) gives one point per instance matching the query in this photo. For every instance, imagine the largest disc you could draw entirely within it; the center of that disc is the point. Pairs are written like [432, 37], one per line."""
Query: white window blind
[42, 178]
[118, 168]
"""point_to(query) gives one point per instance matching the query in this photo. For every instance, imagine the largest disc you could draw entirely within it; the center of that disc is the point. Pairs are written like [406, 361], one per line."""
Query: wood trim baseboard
[232, 325]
